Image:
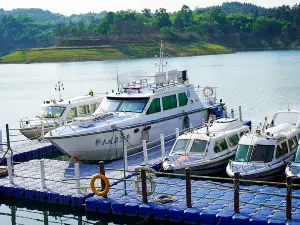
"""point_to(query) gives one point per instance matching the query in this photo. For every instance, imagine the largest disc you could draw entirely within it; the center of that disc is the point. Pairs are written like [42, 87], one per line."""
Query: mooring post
[144, 186]
[232, 113]
[43, 177]
[236, 186]
[1, 142]
[102, 171]
[188, 188]
[191, 126]
[77, 177]
[240, 112]
[9, 148]
[289, 181]
[46, 221]
[9, 169]
[225, 111]
[162, 146]
[145, 152]
[42, 130]
[177, 132]
[203, 121]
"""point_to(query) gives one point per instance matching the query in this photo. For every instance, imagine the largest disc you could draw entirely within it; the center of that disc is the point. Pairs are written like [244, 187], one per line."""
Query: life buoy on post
[148, 178]
[106, 181]
[207, 92]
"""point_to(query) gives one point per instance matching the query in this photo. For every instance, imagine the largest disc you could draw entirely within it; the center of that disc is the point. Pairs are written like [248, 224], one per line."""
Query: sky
[68, 7]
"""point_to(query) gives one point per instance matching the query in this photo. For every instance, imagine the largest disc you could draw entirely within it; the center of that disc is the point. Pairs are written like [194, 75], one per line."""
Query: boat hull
[109, 145]
[209, 168]
[35, 132]
[271, 173]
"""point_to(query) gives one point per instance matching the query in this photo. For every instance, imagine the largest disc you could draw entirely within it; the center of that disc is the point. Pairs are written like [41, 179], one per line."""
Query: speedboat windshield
[257, 153]
[297, 159]
[135, 105]
[180, 146]
[51, 111]
[198, 146]
[243, 153]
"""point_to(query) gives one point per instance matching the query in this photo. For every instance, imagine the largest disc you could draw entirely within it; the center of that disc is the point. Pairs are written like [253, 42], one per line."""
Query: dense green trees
[233, 24]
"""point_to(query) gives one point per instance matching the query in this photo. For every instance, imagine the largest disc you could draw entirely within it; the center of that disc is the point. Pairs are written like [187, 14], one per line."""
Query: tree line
[233, 24]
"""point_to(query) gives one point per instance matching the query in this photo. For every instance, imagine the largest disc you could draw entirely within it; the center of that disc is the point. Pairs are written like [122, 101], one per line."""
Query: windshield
[243, 153]
[262, 153]
[136, 105]
[51, 112]
[297, 159]
[199, 146]
[180, 146]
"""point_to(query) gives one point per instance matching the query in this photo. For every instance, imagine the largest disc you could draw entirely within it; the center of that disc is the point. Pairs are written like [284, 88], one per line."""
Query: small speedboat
[293, 168]
[264, 154]
[206, 150]
[54, 113]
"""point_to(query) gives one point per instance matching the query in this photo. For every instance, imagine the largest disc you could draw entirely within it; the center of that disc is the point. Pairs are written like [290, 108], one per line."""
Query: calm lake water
[261, 82]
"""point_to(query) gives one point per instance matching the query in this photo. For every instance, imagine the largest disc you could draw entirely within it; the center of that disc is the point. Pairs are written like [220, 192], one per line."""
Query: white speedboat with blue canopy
[141, 110]
[206, 150]
[263, 155]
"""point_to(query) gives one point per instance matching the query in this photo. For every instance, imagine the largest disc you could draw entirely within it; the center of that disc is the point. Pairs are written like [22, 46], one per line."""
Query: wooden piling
[188, 188]
[236, 186]
[144, 186]
[289, 181]
[102, 171]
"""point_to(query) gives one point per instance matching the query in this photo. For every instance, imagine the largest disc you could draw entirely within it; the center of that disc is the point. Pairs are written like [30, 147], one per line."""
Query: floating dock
[53, 181]
[29, 150]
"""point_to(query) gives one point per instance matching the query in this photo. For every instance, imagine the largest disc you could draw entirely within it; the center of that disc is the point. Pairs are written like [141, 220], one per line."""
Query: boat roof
[146, 91]
[219, 128]
[271, 136]
[73, 100]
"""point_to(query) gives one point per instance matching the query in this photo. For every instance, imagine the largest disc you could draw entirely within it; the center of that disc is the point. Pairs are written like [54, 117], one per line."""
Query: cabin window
[233, 140]
[282, 149]
[83, 110]
[51, 112]
[199, 146]
[262, 153]
[243, 153]
[297, 159]
[154, 107]
[292, 143]
[169, 102]
[183, 99]
[180, 146]
[93, 107]
[72, 113]
[136, 105]
[220, 146]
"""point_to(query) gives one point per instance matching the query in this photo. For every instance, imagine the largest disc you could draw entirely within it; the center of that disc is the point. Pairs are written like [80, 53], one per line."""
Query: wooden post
[236, 186]
[289, 181]
[102, 171]
[144, 186]
[188, 188]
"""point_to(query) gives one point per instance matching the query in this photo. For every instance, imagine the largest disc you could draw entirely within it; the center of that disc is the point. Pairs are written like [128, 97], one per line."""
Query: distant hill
[40, 15]
[238, 7]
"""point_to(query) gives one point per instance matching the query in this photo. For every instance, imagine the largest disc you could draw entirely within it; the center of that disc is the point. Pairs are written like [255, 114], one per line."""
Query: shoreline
[127, 57]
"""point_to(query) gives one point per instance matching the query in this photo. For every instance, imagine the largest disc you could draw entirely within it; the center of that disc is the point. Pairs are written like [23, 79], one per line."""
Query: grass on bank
[105, 52]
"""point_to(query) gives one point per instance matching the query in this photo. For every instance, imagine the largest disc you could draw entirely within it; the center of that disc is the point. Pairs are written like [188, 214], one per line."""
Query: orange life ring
[106, 181]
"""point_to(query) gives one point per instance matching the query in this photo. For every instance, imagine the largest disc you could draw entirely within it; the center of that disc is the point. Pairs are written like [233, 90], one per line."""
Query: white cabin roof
[219, 128]
[73, 100]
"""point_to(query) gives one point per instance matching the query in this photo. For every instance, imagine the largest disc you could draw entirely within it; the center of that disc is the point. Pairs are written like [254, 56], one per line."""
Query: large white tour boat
[140, 110]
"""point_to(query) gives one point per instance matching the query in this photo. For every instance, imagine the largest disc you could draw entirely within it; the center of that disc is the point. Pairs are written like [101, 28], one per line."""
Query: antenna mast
[161, 57]
[59, 87]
